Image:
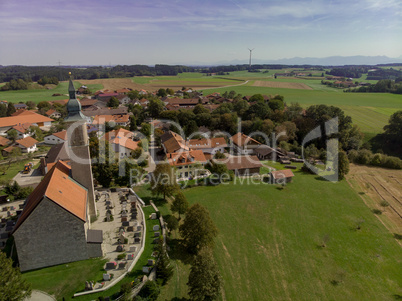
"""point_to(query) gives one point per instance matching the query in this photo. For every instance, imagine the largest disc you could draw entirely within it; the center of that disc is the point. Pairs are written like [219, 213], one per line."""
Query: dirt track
[114, 83]
[377, 186]
[283, 85]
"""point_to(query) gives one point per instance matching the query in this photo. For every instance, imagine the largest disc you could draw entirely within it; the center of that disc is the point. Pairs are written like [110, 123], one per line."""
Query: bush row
[366, 157]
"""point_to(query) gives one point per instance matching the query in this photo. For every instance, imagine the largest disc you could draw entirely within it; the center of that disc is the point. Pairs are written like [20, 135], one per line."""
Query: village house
[4, 141]
[94, 110]
[22, 130]
[122, 120]
[52, 113]
[88, 102]
[123, 91]
[6, 123]
[59, 137]
[122, 142]
[20, 106]
[208, 146]
[265, 152]
[173, 142]
[281, 176]
[27, 145]
[106, 96]
[188, 164]
[243, 165]
[243, 144]
[123, 99]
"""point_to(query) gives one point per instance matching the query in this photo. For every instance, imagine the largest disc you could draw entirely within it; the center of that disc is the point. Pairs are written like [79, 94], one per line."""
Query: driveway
[28, 179]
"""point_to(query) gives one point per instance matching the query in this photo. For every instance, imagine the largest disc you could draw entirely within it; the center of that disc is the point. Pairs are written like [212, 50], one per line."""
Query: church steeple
[73, 105]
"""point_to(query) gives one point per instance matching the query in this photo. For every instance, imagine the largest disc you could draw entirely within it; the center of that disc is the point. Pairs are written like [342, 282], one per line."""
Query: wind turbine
[249, 64]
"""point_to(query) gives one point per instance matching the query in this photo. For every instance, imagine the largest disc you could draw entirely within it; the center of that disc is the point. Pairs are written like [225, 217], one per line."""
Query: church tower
[78, 148]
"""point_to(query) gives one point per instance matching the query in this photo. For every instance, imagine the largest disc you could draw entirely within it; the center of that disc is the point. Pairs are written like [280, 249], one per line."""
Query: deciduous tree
[163, 180]
[180, 203]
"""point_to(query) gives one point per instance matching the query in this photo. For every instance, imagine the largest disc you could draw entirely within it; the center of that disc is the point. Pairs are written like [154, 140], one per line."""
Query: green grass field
[269, 245]
[43, 94]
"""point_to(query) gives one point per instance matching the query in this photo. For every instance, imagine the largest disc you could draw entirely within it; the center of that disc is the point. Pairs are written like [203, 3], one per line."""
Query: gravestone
[108, 216]
[139, 228]
[151, 262]
[108, 203]
[110, 265]
[156, 240]
[130, 256]
[126, 224]
[137, 240]
[134, 216]
[146, 269]
[153, 216]
[157, 234]
[124, 204]
[122, 265]
[123, 219]
[133, 249]
[106, 277]
[130, 229]
[122, 229]
[124, 214]
[120, 248]
[137, 234]
[155, 228]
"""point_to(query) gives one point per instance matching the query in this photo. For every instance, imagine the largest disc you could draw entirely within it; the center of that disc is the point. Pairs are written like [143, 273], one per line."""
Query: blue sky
[99, 32]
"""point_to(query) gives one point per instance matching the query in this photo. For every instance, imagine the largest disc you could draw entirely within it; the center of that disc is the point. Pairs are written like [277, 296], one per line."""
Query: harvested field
[284, 85]
[155, 84]
[381, 189]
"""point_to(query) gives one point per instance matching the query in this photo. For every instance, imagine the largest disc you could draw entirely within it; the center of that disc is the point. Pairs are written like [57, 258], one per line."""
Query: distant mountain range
[325, 61]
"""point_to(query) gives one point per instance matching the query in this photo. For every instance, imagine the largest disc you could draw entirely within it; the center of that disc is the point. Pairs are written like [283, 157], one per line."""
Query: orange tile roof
[186, 157]
[206, 143]
[9, 149]
[119, 132]
[4, 141]
[22, 128]
[174, 142]
[19, 112]
[279, 174]
[241, 162]
[126, 142]
[101, 119]
[27, 142]
[50, 112]
[62, 101]
[240, 139]
[24, 117]
[62, 135]
[59, 188]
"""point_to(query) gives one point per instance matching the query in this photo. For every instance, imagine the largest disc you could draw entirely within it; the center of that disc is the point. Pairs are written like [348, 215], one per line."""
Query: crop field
[38, 95]
[286, 85]
[313, 240]
[381, 189]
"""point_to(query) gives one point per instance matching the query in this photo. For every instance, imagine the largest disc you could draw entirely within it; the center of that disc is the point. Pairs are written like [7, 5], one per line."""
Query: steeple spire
[71, 89]
[73, 105]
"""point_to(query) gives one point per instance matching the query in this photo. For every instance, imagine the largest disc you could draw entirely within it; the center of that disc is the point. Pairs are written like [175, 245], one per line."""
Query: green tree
[164, 270]
[113, 102]
[31, 105]
[12, 134]
[37, 133]
[241, 107]
[276, 104]
[146, 129]
[394, 128]
[180, 204]
[163, 181]
[133, 123]
[343, 165]
[10, 109]
[204, 281]
[199, 109]
[257, 98]
[43, 105]
[198, 229]
[172, 222]
[155, 107]
[170, 91]
[12, 286]
[134, 94]
[161, 92]
[190, 128]
[150, 291]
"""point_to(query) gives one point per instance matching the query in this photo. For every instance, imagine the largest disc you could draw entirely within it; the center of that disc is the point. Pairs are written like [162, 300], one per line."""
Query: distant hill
[325, 61]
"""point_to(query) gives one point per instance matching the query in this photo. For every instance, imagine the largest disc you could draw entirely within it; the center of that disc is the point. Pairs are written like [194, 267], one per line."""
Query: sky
[101, 32]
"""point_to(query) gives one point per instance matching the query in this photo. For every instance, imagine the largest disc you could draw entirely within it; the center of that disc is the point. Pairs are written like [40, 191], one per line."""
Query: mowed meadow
[299, 243]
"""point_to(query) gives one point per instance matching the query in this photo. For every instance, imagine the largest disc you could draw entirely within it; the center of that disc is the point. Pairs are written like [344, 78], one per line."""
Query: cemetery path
[40, 296]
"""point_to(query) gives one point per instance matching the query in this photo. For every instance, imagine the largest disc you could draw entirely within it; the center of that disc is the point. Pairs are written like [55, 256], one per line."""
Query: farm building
[6, 123]
[243, 144]
[27, 145]
[56, 138]
[265, 152]
[209, 146]
[243, 165]
[188, 164]
[281, 176]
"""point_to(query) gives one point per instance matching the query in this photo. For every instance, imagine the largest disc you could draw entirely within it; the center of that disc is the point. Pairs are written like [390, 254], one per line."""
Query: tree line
[382, 86]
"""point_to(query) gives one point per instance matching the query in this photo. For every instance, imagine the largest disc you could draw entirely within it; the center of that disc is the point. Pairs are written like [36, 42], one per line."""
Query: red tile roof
[241, 162]
[27, 142]
[4, 141]
[206, 143]
[22, 128]
[24, 117]
[240, 139]
[62, 135]
[280, 174]
[186, 157]
[59, 188]
[101, 119]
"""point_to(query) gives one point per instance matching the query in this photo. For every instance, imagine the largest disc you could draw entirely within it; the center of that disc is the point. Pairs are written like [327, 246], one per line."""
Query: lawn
[270, 241]
[43, 94]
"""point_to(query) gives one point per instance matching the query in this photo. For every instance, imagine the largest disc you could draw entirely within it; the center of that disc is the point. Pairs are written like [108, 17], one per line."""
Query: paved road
[33, 177]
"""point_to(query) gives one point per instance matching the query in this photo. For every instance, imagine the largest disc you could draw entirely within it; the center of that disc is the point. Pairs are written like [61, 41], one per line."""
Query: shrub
[384, 204]
[121, 256]
[377, 211]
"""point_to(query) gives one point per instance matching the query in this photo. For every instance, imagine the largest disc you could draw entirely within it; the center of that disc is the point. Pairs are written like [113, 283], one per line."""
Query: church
[54, 226]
